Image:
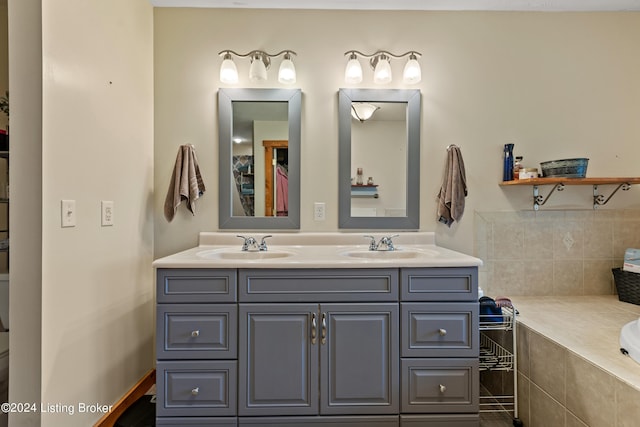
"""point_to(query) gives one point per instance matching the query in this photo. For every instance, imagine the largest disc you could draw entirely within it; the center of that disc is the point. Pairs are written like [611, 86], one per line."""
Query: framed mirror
[259, 162]
[379, 159]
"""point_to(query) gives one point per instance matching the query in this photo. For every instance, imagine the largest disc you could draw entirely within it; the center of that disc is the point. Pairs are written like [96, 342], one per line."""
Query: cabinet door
[278, 373]
[359, 358]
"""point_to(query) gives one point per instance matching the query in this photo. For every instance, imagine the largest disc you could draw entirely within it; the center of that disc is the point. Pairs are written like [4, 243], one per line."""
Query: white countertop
[316, 250]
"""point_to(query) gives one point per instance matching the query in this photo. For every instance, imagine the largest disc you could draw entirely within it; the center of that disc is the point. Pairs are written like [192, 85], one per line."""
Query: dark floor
[495, 419]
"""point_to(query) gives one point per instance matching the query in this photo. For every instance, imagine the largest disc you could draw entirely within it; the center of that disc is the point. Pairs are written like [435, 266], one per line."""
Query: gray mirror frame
[412, 98]
[226, 97]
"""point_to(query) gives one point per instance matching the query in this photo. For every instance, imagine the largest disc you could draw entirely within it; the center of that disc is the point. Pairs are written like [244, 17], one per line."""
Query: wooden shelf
[559, 184]
[572, 181]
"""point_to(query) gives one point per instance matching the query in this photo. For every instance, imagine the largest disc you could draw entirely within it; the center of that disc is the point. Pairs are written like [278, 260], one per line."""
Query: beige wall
[558, 85]
[82, 298]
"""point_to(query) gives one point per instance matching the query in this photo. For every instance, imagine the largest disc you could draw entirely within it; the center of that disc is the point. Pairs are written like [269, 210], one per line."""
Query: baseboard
[136, 392]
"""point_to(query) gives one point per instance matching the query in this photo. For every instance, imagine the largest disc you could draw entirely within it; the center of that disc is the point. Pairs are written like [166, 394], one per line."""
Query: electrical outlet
[107, 213]
[68, 213]
[318, 211]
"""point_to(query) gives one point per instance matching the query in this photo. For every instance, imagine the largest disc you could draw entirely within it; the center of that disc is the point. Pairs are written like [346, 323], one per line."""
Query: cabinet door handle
[442, 332]
[323, 335]
[195, 391]
[442, 388]
[314, 328]
[195, 333]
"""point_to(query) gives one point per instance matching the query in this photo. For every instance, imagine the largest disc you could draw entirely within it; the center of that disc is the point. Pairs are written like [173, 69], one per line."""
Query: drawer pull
[195, 334]
[195, 391]
[323, 335]
[442, 388]
[442, 332]
[314, 328]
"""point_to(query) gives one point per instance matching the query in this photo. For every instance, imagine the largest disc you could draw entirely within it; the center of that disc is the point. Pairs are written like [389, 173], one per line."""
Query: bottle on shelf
[517, 166]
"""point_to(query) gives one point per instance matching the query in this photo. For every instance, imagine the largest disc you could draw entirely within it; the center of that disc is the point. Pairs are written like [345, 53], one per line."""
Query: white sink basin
[234, 253]
[397, 254]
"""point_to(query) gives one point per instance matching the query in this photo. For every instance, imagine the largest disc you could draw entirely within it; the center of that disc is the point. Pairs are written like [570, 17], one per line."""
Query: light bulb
[287, 71]
[412, 73]
[382, 72]
[228, 71]
[257, 71]
[353, 72]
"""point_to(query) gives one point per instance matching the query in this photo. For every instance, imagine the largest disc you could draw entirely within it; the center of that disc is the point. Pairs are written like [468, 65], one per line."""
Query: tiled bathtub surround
[570, 370]
[553, 252]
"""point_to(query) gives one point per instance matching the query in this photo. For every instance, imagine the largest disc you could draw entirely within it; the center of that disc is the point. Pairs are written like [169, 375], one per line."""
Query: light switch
[107, 213]
[68, 213]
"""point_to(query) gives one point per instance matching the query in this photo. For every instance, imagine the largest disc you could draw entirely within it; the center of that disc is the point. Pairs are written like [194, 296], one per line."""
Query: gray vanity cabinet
[374, 347]
[196, 347]
[318, 359]
[318, 342]
[440, 347]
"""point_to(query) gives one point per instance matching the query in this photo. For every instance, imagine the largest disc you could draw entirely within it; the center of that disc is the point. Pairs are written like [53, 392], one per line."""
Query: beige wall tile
[538, 278]
[598, 279]
[508, 240]
[548, 369]
[523, 347]
[573, 421]
[568, 277]
[598, 239]
[544, 411]
[538, 240]
[626, 234]
[508, 278]
[523, 400]
[627, 405]
[592, 396]
[568, 240]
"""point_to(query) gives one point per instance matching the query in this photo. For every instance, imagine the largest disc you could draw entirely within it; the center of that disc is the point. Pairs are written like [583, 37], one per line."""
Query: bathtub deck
[589, 326]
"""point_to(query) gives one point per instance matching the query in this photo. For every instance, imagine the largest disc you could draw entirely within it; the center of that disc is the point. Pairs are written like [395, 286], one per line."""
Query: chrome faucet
[251, 244]
[385, 243]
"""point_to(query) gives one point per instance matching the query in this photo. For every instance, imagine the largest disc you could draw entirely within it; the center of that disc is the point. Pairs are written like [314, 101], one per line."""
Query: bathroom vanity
[321, 333]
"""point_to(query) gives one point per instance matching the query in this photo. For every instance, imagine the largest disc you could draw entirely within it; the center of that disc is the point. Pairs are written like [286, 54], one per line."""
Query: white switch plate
[68, 213]
[318, 211]
[107, 212]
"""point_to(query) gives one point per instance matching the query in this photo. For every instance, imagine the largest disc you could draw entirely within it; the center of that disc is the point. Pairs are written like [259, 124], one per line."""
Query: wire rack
[497, 357]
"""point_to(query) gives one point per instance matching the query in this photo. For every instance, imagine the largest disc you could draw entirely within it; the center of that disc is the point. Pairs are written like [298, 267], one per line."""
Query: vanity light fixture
[381, 65]
[260, 63]
[363, 110]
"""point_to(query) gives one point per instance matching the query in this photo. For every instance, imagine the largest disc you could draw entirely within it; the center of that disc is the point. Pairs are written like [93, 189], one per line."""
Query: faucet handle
[372, 245]
[263, 243]
[247, 241]
[388, 242]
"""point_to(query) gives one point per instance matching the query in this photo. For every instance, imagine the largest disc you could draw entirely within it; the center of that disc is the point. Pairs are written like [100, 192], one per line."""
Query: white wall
[557, 84]
[95, 139]
[25, 301]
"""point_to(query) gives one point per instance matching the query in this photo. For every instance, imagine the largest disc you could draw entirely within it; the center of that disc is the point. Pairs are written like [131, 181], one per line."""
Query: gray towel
[186, 182]
[453, 189]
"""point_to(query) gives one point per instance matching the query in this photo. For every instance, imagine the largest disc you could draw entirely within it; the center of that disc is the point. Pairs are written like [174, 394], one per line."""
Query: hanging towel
[186, 182]
[453, 189]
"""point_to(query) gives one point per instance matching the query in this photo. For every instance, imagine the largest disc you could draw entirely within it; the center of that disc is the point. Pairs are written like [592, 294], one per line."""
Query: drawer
[439, 385]
[440, 329]
[196, 388]
[313, 285]
[460, 420]
[197, 422]
[196, 331]
[196, 285]
[439, 284]
[347, 421]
